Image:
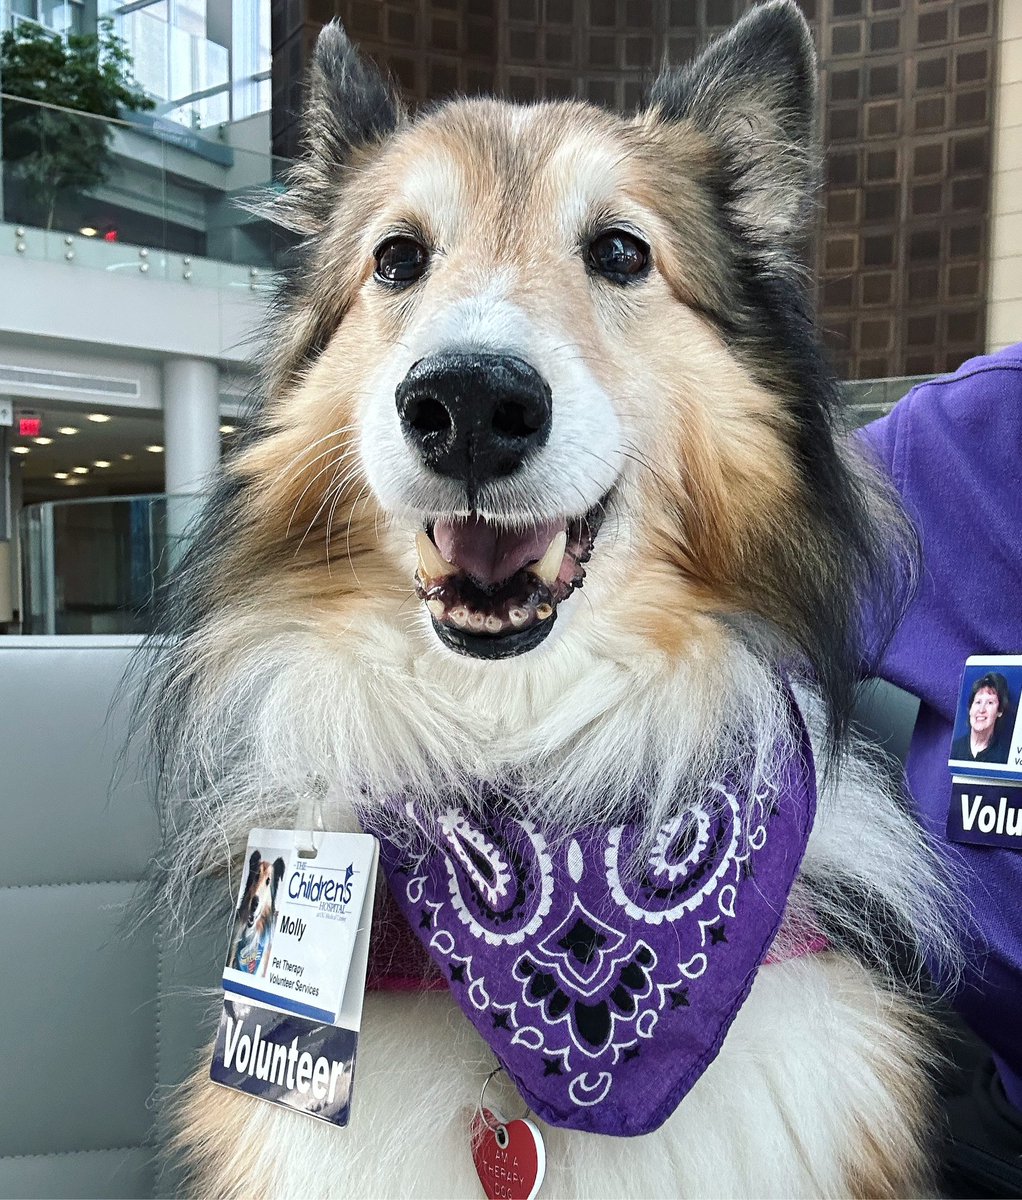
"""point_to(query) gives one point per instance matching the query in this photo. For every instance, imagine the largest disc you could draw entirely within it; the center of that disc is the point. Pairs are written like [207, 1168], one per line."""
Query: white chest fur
[817, 1091]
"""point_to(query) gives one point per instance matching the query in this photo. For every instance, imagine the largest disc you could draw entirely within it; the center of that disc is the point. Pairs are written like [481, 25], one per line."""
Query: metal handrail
[125, 123]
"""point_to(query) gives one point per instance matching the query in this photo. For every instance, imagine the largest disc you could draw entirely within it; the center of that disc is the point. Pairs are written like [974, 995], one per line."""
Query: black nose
[474, 417]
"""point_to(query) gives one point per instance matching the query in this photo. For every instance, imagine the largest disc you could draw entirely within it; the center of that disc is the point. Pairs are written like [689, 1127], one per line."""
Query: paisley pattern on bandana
[605, 978]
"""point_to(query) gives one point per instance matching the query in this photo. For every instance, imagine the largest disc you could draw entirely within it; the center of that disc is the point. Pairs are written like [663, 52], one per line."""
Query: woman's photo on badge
[986, 717]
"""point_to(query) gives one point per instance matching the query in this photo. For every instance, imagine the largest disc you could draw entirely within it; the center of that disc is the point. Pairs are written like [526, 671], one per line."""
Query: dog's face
[531, 348]
[517, 357]
[256, 909]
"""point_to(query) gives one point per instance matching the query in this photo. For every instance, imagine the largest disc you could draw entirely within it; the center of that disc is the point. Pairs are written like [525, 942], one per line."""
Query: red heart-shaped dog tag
[509, 1156]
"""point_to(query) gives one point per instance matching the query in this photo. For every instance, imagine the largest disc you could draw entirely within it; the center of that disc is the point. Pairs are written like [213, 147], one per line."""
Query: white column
[191, 423]
[8, 523]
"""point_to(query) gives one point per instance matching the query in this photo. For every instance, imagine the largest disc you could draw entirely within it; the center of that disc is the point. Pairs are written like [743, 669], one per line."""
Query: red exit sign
[29, 426]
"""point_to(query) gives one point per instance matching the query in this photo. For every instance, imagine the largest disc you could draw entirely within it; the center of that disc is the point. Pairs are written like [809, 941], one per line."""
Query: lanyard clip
[309, 819]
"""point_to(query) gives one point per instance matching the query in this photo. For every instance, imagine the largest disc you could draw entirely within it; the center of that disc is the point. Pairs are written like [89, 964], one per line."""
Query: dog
[253, 922]
[542, 537]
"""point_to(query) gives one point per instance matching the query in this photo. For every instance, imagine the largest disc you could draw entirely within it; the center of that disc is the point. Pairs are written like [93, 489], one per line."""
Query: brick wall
[907, 97]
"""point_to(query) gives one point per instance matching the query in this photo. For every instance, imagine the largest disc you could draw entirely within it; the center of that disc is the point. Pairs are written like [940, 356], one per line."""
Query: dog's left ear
[278, 872]
[753, 94]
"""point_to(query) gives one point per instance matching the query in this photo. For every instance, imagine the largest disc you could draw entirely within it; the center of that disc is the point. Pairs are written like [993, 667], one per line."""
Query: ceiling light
[228, 428]
[88, 231]
[19, 450]
[80, 470]
[127, 457]
[155, 449]
[72, 481]
[101, 462]
[67, 430]
[60, 475]
[43, 441]
[99, 418]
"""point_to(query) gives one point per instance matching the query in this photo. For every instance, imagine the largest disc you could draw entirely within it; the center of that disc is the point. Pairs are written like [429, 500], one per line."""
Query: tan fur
[896, 1163]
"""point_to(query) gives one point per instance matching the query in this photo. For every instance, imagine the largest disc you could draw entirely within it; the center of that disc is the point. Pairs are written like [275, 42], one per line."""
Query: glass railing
[140, 194]
[868, 399]
[93, 566]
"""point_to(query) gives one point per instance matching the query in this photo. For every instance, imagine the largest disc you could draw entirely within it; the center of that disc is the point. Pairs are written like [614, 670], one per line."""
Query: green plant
[52, 151]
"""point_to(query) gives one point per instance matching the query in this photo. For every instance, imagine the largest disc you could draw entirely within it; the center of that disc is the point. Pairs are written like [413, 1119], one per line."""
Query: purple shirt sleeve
[953, 448]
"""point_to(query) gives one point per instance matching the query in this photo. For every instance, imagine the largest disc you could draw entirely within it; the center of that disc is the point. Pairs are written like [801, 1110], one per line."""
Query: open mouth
[493, 591]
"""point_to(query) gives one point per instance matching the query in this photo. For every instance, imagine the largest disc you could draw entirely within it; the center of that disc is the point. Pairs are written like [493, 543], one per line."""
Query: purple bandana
[605, 981]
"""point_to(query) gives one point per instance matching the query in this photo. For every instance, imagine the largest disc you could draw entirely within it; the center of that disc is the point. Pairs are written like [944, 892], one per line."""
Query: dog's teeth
[494, 624]
[459, 616]
[436, 607]
[432, 564]
[517, 616]
[543, 611]
[549, 566]
[476, 620]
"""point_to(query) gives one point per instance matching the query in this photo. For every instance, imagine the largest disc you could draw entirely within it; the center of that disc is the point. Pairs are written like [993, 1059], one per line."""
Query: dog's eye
[618, 255]
[400, 260]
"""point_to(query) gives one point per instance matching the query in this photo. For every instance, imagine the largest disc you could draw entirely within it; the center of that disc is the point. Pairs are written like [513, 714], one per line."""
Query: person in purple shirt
[953, 449]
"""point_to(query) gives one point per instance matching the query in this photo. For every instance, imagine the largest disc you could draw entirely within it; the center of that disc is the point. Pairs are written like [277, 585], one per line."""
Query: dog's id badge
[294, 978]
[509, 1156]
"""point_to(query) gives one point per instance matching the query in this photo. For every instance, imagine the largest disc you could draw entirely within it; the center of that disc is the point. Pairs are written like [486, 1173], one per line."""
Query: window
[250, 50]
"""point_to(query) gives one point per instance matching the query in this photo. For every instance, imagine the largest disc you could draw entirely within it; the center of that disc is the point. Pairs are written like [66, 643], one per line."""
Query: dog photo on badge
[254, 919]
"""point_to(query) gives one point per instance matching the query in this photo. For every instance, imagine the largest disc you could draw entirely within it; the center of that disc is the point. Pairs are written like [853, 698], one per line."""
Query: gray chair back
[98, 1018]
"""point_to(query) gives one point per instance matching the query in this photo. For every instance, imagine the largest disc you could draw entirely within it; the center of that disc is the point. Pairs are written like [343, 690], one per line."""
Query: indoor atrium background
[129, 296]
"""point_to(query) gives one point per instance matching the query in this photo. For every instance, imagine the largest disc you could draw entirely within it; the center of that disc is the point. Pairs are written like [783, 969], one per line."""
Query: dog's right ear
[350, 104]
[254, 859]
[349, 107]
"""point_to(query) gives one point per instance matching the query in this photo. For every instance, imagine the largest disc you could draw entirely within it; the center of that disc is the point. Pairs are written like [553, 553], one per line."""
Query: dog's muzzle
[491, 589]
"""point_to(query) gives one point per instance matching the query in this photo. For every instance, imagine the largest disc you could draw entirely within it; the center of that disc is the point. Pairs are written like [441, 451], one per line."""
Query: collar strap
[399, 963]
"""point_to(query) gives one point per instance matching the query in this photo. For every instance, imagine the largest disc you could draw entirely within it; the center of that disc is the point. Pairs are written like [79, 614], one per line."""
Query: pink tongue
[491, 554]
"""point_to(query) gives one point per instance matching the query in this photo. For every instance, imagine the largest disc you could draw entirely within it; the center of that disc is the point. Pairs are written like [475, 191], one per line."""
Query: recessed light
[60, 475]
[127, 457]
[80, 470]
[155, 449]
[99, 418]
[101, 462]
[228, 428]
[88, 231]
[67, 430]
[72, 481]
[20, 450]
[43, 441]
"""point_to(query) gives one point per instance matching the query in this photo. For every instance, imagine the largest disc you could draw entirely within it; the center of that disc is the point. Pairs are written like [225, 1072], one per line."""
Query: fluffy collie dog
[253, 921]
[541, 521]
